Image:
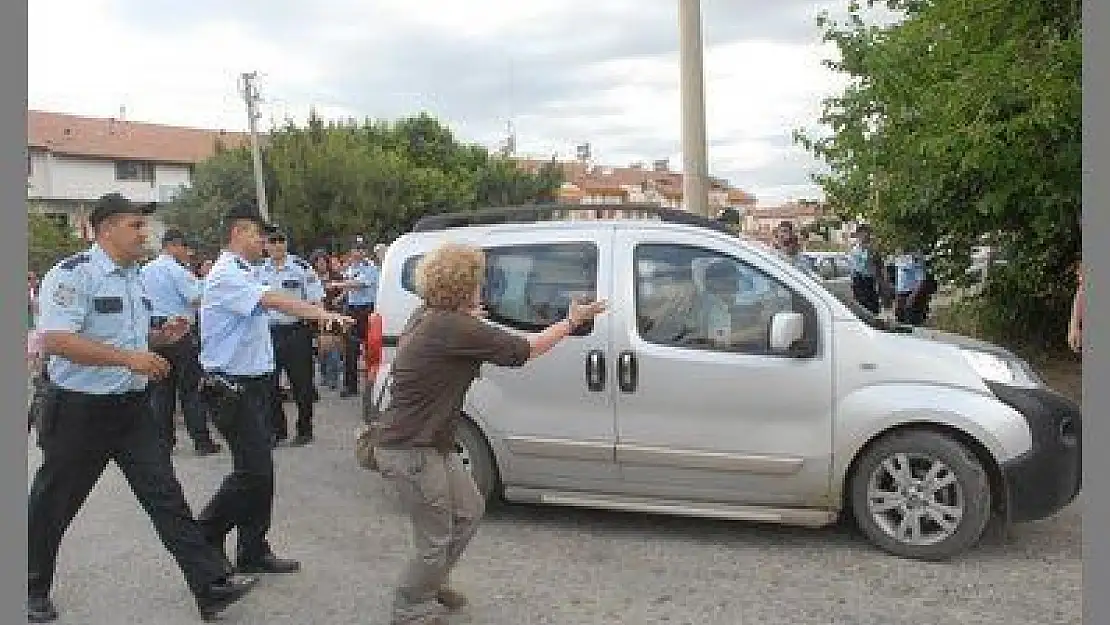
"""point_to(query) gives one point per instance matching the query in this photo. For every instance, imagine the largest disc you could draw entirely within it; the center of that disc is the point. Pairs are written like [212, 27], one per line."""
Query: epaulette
[242, 264]
[74, 261]
[302, 263]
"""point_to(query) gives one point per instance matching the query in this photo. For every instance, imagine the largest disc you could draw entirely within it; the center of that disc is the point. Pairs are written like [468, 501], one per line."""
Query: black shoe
[204, 448]
[222, 594]
[41, 610]
[268, 564]
[302, 439]
[347, 393]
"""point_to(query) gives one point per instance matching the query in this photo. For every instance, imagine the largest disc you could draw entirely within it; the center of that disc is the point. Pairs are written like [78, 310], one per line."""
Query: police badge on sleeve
[65, 295]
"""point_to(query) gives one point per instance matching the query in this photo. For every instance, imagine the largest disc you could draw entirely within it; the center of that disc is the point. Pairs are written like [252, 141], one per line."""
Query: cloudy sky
[562, 72]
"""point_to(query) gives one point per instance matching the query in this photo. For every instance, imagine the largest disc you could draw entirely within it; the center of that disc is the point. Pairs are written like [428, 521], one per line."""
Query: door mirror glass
[787, 328]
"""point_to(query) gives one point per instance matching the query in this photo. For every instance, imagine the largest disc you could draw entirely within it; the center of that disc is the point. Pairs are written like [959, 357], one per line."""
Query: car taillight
[373, 354]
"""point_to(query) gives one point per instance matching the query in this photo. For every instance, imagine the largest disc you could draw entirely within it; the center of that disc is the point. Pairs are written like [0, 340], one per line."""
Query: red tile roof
[93, 137]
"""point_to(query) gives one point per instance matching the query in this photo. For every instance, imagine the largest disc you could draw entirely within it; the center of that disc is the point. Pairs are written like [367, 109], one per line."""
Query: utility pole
[695, 161]
[250, 95]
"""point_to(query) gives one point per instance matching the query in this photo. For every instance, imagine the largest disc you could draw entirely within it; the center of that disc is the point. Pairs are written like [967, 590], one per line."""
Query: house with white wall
[73, 160]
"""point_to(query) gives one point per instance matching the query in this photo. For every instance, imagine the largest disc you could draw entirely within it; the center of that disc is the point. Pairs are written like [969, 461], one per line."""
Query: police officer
[96, 329]
[361, 285]
[236, 351]
[286, 273]
[174, 292]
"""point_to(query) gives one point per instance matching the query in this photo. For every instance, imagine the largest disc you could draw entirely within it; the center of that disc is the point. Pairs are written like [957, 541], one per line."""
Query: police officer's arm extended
[300, 308]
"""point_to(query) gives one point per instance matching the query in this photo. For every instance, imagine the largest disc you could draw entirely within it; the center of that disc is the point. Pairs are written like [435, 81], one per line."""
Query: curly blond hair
[449, 275]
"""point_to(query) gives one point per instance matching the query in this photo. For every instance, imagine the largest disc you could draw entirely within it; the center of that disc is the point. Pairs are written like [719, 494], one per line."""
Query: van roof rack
[559, 212]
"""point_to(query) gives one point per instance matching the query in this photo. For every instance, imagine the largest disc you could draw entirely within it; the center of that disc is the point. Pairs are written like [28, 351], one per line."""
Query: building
[761, 221]
[73, 160]
[587, 183]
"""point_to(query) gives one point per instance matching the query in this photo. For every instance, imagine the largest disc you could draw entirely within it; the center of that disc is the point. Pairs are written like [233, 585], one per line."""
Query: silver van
[725, 383]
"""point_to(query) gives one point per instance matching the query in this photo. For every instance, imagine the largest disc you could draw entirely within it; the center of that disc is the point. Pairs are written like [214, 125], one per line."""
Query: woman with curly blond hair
[439, 355]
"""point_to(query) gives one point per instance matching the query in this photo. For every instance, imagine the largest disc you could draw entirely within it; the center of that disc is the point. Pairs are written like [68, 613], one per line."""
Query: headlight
[1001, 370]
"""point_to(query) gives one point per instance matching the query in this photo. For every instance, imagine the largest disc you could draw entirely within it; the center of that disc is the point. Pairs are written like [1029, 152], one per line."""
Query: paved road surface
[533, 565]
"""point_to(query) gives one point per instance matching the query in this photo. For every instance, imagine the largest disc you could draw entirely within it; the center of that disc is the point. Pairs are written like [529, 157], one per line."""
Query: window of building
[696, 298]
[140, 171]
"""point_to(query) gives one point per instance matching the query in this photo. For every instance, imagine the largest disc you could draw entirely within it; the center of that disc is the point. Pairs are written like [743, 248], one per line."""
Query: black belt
[287, 326]
[244, 378]
[125, 397]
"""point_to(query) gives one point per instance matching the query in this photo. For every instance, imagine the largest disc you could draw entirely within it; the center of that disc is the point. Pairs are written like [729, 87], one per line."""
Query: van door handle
[595, 370]
[627, 372]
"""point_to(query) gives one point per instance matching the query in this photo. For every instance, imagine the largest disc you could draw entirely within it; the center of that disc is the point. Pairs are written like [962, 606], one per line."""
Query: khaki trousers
[445, 506]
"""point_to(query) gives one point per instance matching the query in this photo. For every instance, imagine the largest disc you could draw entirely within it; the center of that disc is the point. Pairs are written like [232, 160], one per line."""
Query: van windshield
[864, 315]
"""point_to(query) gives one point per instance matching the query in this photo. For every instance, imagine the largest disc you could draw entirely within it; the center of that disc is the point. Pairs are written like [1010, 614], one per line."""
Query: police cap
[115, 204]
[248, 211]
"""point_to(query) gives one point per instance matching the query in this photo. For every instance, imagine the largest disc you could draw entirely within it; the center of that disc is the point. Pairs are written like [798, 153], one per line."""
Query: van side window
[697, 298]
[529, 287]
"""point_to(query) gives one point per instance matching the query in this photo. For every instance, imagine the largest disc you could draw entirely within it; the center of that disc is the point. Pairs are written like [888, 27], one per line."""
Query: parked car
[817, 412]
[835, 268]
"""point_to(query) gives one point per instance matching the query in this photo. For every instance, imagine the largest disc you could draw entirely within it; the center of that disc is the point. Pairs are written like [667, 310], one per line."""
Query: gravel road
[532, 565]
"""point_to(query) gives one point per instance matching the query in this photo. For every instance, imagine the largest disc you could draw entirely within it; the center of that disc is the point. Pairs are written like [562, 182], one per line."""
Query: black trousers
[866, 292]
[78, 434]
[356, 338]
[184, 357]
[911, 310]
[293, 355]
[245, 499]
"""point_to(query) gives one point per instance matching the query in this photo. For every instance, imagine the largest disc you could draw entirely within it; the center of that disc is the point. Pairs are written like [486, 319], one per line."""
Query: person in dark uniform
[174, 292]
[868, 275]
[360, 281]
[286, 273]
[95, 324]
[237, 355]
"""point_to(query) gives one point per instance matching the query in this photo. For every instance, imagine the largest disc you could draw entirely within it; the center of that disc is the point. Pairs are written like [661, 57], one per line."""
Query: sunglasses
[277, 239]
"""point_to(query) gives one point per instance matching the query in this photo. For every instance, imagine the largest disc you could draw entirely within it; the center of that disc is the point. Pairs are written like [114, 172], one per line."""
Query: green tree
[961, 125]
[48, 241]
[329, 180]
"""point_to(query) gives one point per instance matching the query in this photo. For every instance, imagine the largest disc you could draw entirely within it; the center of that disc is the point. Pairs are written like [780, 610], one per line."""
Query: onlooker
[329, 342]
[868, 275]
[440, 353]
[913, 289]
[1078, 312]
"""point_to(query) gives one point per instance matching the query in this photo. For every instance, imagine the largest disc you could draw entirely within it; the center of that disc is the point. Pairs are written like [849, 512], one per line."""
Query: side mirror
[787, 328]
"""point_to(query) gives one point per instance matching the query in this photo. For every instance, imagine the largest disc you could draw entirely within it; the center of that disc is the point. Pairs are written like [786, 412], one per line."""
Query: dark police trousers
[78, 434]
[184, 357]
[245, 499]
[293, 355]
[356, 338]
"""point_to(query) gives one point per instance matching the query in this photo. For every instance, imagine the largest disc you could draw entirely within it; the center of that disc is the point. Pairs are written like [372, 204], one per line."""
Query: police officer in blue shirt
[96, 330]
[237, 354]
[361, 285]
[868, 276]
[287, 273]
[174, 292]
[913, 287]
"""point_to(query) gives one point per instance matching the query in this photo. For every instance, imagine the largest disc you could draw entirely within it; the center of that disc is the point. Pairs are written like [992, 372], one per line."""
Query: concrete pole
[250, 95]
[695, 161]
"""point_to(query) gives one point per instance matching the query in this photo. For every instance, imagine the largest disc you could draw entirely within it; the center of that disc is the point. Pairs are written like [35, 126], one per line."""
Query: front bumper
[1048, 477]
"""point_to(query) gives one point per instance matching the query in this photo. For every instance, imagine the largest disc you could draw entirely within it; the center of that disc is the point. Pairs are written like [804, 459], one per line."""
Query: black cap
[115, 204]
[249, 211]
[173, 235]
[275, 232]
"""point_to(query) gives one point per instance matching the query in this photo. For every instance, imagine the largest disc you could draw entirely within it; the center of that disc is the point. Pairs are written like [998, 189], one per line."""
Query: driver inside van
[709, 313]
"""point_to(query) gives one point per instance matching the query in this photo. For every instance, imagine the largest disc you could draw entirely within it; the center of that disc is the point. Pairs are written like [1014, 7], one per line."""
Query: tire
[471, 445]
[967, 493]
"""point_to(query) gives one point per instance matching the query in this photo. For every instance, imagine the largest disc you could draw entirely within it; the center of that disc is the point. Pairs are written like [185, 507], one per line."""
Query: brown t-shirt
[439, 355]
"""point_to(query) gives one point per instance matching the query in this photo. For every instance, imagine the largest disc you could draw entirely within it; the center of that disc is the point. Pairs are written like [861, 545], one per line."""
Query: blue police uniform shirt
[171, 287]
[909, 272]
[234, 327]
[366, 274]
[92, 296]
[862, 264]
[295, 278]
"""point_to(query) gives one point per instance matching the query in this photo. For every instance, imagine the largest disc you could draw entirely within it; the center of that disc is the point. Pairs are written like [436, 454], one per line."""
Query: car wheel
[921, 495]
[476, 456]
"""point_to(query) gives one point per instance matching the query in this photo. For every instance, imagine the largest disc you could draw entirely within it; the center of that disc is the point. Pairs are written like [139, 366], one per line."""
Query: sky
[562, 72]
